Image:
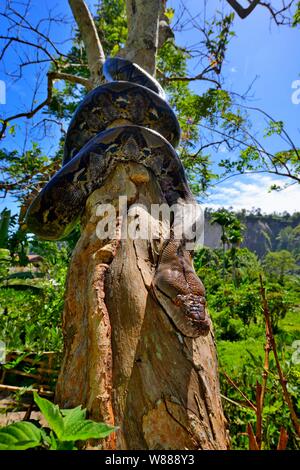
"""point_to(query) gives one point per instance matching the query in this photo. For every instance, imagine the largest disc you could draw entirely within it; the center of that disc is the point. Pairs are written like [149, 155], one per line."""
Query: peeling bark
[124, 359]
[143, 28]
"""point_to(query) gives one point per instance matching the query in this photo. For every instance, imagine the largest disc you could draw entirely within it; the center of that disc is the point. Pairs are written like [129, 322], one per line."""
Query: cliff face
[261, 231]
[212, 233]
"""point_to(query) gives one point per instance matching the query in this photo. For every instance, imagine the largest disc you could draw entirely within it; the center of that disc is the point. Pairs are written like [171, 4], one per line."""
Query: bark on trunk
[124, 360]
[143, 28]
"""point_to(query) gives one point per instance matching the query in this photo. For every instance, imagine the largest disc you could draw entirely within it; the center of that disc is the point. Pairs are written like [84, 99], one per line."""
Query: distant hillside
[261, 233]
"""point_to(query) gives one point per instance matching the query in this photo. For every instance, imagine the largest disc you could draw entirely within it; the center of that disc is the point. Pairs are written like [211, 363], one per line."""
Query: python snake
[127, 119]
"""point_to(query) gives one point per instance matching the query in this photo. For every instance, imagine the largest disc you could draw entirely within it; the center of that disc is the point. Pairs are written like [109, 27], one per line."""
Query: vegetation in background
[31, 297]
[236, 308]
[30, 320]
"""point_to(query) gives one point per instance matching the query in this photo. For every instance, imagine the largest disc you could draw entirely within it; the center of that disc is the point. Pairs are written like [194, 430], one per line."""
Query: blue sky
[260, 49]
[272, 54]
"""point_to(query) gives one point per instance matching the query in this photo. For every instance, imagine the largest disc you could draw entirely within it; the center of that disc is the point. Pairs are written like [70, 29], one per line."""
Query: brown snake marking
[126, 121]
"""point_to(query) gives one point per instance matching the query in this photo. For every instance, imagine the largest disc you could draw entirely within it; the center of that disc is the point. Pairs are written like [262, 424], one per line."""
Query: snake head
[194, 309]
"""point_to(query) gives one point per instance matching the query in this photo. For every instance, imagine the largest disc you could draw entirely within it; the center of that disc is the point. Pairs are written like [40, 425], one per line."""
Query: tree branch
[28, 26]
[278, 16]
[188, 79]
[283, 19]
[88, 31]
[73, 79]
[51, 77]
[234, 385]
[241, 11]
[12, 39]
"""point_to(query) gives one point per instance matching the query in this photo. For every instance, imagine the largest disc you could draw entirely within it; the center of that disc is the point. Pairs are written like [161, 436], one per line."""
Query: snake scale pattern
[126, 120]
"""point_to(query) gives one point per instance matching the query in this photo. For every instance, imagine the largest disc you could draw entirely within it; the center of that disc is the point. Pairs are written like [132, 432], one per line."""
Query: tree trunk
[143, 27]
[124, 359]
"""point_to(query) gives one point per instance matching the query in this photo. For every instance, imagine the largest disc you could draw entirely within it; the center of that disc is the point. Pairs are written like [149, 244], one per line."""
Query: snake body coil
[126, 120]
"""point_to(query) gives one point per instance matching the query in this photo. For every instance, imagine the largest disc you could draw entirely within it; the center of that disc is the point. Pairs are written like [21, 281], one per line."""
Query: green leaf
[20, 436]
[85, 429]
[12, 130]
[66, 445]
[55, 444]
[52, 414]
[76, 427]
[169, 13]
[70, 425]
[73, 415]
[275, 127]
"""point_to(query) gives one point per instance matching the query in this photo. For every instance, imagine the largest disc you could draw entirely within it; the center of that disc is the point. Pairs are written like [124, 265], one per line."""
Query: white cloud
[233, 70]
[252, 192]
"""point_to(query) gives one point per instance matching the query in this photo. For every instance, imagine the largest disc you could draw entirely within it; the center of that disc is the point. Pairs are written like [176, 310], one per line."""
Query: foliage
[289, 239]
[247, 265]
[296, 20]
[234, 300]
[26, 172]
[4, 226]
[232, 227]
[236, 311]
[234, 308]
[278, 264]
[20, 436]
[4, 252]
[253, 158]
[243, 361]
[66, 427]
[31, 318]
[111, 24]
[279, 303]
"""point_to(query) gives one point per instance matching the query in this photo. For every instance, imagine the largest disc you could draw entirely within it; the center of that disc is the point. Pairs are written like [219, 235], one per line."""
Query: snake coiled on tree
[127, 119]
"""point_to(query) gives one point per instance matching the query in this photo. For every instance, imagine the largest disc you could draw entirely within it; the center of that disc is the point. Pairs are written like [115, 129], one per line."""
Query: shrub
[65, 428]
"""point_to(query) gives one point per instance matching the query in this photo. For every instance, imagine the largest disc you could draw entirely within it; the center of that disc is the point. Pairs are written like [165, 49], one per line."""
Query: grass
[243, 362]
[234, 354]
[291, 323]
[30, 319]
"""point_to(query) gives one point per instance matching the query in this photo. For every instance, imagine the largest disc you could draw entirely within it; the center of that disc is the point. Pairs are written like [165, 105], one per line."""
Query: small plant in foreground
[66, 427]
